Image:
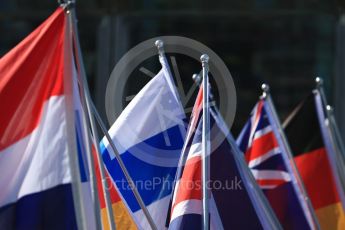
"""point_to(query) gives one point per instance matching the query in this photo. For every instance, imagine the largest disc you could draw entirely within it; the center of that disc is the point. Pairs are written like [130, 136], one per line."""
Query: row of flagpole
[267, 217]
[243, 158]
[73, 156]
[291, 166]
[92, 113]
[334, 142]
[90, 122]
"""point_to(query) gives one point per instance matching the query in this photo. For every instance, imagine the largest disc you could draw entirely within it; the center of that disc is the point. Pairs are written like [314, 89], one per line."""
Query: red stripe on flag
[114, 195]
[261, 145]
[31, 73]
[190, 183]
[270, 182]
[317, 176]
[198, 101]
[258, 111]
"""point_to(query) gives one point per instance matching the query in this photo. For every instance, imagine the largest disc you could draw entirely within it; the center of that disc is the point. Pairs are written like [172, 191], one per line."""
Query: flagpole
[70, 119]
[164, 62]
[205, 142]
[87, 98]
[336, 161]
[162, 58]
[338, 139]
[330, 115]
[267, 216]
[291, 166]
[123, 168]
[94, 191]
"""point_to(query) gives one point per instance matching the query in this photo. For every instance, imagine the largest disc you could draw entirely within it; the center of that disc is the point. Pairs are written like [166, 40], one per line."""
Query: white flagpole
[87, 98]
[288, 158]
[205, 142]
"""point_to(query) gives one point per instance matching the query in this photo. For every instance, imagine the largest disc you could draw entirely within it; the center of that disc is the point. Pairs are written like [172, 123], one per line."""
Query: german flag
[303, 132]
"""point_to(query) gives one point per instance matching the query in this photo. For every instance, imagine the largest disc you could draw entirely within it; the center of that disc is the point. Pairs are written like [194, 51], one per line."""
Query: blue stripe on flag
[80, 148]
[273, 163]
[49, 209]
[156, 181]
[188, 221]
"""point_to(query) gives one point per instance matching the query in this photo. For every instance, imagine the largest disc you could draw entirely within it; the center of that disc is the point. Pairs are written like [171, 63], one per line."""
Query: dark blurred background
[284, 43]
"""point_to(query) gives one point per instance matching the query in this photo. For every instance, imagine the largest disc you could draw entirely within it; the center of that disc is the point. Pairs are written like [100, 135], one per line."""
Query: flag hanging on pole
[267, 157]
[38, 135]
[149, 135]
[122, 216]
[302, 128]
[234, 203]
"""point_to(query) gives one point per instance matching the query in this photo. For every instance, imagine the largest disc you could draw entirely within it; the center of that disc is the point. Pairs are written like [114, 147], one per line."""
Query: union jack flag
[233, 207]
[264, 153]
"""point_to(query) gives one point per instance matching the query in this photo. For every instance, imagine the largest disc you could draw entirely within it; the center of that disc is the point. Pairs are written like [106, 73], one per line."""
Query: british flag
[230, 207]
[272, 170]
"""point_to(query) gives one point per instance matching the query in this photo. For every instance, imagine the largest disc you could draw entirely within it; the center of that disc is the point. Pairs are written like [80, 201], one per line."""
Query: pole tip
[265, 88]
[319, 82]
[197, 78]
[329, 108]
[159, 44]
[204, 58]
[66, 4]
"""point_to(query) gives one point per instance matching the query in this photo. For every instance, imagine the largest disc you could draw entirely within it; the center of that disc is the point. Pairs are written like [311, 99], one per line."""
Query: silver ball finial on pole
[159, 43]
[160, 46]
[204, 58]
[329, 108]
[197, 78]
[319, 82]
[265, 90]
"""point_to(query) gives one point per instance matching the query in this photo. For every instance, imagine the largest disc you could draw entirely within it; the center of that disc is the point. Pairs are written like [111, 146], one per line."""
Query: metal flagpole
[338, 139]
[72, 145]
[87, 98]
[330, 115]
[164, 62]
[94, 191]
[162, 58]
[282, 140]
[205, 141]
[265, 212]
[335, 142]
[124, 169]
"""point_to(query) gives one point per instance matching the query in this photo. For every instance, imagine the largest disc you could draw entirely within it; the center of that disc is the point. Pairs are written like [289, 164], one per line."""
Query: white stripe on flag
[152, 111]
[187, 207]
[262, 158]
[40, 160]
[195, 151]
[262, 132]
[270, 175]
